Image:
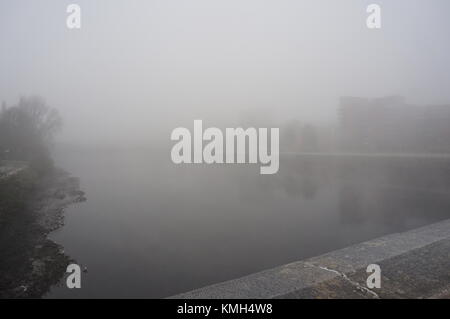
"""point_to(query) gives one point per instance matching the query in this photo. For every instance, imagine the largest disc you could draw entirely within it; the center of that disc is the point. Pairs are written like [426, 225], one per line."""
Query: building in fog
[389, 124]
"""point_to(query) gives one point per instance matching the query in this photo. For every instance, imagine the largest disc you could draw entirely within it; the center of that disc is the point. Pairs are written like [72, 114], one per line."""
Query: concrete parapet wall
[414, 264]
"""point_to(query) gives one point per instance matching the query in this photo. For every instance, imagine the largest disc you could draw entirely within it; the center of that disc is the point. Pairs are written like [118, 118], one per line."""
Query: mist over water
[136, 70]
[363, 117]
[153, 229]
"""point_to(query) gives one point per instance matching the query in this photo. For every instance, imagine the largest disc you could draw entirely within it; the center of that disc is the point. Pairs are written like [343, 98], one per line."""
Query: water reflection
[153, 229]
[386, 190]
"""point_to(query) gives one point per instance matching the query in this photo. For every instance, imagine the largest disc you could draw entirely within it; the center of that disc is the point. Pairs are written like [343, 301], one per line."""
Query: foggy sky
[137, 68]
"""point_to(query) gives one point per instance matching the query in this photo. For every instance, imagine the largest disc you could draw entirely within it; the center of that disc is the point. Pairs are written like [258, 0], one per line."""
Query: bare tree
[27, 129]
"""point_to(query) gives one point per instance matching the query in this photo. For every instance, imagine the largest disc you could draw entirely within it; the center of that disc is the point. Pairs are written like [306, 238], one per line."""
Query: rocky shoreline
[30, 208]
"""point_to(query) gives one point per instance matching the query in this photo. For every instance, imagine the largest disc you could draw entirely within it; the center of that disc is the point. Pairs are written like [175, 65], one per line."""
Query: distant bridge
[369, 155]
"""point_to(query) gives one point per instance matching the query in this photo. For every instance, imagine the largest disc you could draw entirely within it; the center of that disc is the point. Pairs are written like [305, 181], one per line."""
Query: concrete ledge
[414, 264]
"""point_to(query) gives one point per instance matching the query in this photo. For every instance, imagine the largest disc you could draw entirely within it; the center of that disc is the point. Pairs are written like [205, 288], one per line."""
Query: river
[151, 229]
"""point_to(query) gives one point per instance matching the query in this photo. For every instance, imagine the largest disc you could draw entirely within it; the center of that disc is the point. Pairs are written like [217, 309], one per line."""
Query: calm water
[150, 228]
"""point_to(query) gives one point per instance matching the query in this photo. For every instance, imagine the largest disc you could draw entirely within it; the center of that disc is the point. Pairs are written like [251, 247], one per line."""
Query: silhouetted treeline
[389, 124]
[27, 130]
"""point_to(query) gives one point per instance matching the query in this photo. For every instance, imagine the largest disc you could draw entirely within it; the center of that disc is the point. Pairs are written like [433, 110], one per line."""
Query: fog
[138, 69]
[87, 117]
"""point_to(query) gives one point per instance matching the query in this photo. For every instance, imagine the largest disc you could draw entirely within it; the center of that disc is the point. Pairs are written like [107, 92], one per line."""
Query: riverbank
[32, 206]
[414, 264]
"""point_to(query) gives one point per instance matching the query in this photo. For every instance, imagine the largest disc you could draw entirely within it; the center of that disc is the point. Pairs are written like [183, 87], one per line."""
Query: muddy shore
[30, 208]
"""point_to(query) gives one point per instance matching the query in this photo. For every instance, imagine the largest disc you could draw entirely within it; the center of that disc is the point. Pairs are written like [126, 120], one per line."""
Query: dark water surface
[150, 228]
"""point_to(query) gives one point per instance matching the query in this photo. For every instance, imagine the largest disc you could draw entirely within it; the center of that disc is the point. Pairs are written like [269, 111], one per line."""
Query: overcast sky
[139, 68]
